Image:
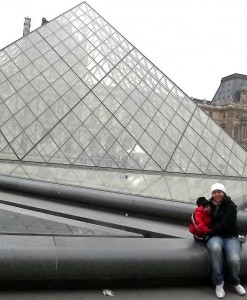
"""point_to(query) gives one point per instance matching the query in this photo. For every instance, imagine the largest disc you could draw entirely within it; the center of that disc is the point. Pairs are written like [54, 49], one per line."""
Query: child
[200, 219]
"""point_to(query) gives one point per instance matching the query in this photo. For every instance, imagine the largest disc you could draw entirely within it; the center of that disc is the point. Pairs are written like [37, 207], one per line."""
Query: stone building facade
[232, 117]
[229, 106]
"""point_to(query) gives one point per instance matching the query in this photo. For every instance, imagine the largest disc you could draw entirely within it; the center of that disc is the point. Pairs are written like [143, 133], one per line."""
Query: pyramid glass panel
[76, 94]
[21, 221]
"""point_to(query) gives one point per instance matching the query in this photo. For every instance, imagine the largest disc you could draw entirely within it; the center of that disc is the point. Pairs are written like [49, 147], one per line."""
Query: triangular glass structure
[76, 92]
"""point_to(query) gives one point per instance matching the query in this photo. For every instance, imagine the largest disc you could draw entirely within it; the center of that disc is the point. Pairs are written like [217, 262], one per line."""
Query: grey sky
[194, 42]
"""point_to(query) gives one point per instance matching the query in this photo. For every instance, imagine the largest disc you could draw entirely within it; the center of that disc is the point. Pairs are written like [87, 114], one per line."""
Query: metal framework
[76, 93]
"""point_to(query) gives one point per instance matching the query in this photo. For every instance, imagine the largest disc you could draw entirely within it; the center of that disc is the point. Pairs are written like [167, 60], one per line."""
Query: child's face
[208, 208]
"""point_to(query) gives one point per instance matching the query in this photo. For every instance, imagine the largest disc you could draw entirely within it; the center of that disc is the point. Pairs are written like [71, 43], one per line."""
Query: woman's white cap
[219, 187]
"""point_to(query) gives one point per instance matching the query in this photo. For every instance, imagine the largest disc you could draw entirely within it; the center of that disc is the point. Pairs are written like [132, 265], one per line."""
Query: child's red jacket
[200, 221]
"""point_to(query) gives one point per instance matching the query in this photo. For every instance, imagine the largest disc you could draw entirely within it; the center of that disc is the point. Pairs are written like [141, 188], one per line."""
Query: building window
[235, 133]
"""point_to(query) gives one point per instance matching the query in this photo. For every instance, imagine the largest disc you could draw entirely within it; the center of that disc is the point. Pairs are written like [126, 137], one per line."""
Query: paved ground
[120, 293]
[171, 293]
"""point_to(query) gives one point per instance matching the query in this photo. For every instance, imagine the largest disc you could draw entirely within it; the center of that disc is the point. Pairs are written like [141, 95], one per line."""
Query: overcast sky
[194, 42]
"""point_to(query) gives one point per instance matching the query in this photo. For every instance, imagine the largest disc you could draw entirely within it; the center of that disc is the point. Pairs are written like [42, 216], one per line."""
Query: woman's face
[217, 195]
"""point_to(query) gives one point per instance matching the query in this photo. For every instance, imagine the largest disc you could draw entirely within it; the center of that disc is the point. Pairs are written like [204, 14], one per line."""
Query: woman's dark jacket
[224, 218]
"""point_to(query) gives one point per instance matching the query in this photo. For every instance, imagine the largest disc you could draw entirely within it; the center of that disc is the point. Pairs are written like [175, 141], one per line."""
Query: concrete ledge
[125, 259]
[76, 258]
[128, 203]
[27, 257]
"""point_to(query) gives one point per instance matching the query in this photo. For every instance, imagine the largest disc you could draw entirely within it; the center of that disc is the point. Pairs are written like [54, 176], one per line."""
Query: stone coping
[83, 258]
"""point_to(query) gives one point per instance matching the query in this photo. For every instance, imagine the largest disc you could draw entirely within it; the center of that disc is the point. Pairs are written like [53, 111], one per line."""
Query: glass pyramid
[76, 95]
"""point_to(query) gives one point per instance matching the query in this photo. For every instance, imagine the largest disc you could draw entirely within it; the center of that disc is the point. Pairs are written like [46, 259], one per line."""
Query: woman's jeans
[220, 249]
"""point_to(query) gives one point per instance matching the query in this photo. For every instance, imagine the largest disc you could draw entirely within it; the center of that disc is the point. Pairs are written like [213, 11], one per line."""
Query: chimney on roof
[27, 25]
[44, 21]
